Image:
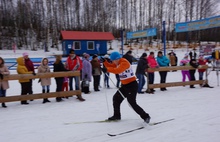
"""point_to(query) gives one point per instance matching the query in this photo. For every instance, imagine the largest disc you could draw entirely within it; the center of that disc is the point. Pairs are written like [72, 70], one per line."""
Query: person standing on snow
[4, 85]
[162, 61]
[74, 63]
[152, 63]
[129, 86]
[140, 72]
[185, 62]
[30, 66]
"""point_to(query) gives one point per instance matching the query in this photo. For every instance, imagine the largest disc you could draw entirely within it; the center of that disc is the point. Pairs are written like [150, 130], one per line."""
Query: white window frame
[88, 45]
[75, 46]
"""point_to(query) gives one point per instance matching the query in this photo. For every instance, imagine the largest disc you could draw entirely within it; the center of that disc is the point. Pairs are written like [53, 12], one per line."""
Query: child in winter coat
[45, 82]
[3, 84]
[201, 61]
[185, 62]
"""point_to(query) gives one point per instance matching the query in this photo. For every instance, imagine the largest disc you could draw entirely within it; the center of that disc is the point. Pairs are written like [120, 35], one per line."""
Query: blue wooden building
[85, 42]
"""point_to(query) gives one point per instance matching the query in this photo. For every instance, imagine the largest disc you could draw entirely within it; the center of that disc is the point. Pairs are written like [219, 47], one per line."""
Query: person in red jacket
[201, 61]
[30, 66]
[129, 86]
[152, 63]
[74, 63]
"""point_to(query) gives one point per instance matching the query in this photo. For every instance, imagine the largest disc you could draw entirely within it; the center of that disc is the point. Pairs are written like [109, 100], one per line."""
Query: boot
[44, 100]
[3, 105]
[48, 91]
[114, 118]
[79, 97]
[24, 103]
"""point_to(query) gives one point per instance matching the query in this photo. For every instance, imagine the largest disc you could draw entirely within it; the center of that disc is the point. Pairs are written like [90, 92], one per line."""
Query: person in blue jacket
[162, 61]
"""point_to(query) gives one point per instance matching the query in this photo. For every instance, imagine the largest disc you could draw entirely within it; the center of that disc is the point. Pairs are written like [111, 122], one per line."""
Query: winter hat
[106, 56]
[71, 51]
[115, 56]
[25, 54]
[129, 52]
[94, 56]
[144, 55]
[86, 55]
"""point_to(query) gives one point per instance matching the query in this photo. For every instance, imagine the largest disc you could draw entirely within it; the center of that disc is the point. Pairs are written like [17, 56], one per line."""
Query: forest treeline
[37, 23]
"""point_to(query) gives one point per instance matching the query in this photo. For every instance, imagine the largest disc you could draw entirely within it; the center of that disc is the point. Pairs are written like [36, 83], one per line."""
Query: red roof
[83, 35]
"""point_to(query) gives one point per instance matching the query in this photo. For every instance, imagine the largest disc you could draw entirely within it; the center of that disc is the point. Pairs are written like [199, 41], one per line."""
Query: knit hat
[115, 56]
[71, 51]
[106, 56]
[94, 56]
[86, 55]
[25, 54]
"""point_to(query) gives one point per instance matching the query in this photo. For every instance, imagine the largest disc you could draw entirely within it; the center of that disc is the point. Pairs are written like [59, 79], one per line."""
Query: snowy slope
[196, 113]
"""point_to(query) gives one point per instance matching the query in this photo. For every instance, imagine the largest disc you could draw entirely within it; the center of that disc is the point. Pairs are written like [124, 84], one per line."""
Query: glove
[1, 76]
[34, 73]
[86, 76]
[157, 66]
[102, 59]
[104, 70]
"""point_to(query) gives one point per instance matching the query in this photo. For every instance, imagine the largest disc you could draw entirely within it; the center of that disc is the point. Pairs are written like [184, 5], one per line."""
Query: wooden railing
[40, 95]
[173, 84]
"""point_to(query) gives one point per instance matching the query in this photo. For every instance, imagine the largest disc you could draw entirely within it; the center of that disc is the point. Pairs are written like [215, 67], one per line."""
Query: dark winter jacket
[59, 68]
[142, 66]
[128, 57]
[193, 63]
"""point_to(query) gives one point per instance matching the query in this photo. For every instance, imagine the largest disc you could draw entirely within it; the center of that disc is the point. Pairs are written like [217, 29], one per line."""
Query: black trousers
[192, 76]
[163, 76]
[25, 89]
[96, 82]
[129, 91]
[59, 84]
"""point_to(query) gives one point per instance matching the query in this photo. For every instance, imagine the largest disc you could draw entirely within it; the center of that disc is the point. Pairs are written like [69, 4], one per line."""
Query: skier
[129, 86]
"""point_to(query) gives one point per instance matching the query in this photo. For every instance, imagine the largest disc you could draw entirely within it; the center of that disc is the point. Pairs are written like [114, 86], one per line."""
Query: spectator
[58, 66]
[74, 63]
[128, 56]
[173, 59]
[86, 73]
[96, 72]
[45, 82]
[140, 72]
[185, 62]
[162, 61]
[194, 64]
[65, 83]
[107, 74]
[4, 85]
[152, 63]
[25, 83]
[201, 61]
[30, 66]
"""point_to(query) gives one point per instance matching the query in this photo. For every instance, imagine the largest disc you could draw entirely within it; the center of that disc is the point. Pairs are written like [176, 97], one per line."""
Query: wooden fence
[40, 95]
[173, 84]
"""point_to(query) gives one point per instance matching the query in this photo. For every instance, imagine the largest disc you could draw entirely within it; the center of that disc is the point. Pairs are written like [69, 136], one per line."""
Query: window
[76, 45]
[90, 45]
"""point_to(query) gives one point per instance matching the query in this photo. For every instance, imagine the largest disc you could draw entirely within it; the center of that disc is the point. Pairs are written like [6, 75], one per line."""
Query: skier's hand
[34, 73]
[104, 70]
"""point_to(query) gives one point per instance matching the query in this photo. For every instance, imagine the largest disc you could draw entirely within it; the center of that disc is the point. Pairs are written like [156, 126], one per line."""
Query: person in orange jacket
[129, 86]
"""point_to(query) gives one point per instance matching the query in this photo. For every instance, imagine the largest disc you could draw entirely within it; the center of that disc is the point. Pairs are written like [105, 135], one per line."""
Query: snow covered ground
[196, 113]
